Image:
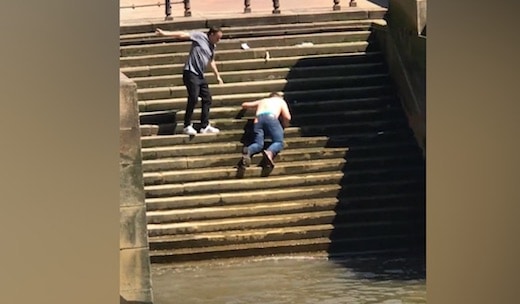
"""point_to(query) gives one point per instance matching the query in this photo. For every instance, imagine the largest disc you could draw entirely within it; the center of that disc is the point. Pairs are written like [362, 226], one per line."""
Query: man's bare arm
[174, 34]
[285, 115]
[251, 104]
[213, 65]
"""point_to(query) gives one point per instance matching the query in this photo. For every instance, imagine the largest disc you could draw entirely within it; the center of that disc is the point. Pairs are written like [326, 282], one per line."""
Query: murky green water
[292, 280]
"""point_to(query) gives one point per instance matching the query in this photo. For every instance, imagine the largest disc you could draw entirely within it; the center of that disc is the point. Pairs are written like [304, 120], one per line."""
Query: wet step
[396, 242]
[239, 250]
[233, 237]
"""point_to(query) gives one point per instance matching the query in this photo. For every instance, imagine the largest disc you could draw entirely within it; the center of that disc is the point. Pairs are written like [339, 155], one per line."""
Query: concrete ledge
[134, 268]
[131, 185]
[128, 110]
[132, 229]
[134, 278]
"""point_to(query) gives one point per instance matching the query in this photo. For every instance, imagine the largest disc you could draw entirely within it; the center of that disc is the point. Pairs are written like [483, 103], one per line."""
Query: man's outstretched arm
[174, 34]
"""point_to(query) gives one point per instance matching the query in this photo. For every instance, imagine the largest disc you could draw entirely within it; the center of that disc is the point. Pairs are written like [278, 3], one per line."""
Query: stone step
[297, 108]
[234, 118]
[254, 64]
[225, 44]
[256, 222]
[258, 31]
[355, 178]
[350, 179]
[396, 148]
[263, 86]
[354, 128]
[362, 246]
[236, 185]
[347, 204]
[173, 229]
[380, 188]
[358, 182]
[149, 130]
[240, 211]
[361, 166]
[286, 164]
[242, 197]
[233, 237]
[300, 107]
[222, 117]
[409, 198]
[266, 74]
[257, 53]
[221, 148]
[227, 119]
[224, 136]
[231, 160]
[295, 96]
[370, 138]
[223, 173]
[325, 117]
[238, 250]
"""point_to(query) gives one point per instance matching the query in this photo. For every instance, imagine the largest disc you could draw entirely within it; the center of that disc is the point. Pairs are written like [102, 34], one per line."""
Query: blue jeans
[267, 125]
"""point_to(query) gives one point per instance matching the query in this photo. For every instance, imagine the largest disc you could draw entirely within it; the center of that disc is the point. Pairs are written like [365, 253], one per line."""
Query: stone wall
[404, 43]
[135, 284]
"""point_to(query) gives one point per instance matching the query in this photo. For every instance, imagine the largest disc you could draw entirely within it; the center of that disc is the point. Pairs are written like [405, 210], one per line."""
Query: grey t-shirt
[201, 53]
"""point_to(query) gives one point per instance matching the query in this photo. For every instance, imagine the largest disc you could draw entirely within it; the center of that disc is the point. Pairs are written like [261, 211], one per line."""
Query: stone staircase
[349, 181]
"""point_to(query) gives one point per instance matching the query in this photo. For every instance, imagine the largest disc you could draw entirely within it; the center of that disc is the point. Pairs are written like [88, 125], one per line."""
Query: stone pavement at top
[203, 9]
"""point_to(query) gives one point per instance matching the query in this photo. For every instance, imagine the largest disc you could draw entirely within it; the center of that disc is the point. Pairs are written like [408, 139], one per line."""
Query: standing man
[269, 112]
[201, 53]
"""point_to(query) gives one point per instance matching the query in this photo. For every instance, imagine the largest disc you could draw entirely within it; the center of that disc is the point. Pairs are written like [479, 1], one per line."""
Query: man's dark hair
[214, 29]
[275, 94]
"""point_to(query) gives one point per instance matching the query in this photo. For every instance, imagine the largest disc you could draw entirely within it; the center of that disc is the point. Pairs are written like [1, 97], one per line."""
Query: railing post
[352, 3]
[336, 6]
[168, 10]
[247, 6]
[276, 6]
[187, 8]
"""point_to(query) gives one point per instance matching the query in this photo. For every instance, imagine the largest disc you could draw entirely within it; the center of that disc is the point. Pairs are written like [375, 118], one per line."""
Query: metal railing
[247, 6]
[167, 7]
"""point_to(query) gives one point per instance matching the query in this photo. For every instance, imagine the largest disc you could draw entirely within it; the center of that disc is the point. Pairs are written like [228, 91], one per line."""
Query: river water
[292, 280]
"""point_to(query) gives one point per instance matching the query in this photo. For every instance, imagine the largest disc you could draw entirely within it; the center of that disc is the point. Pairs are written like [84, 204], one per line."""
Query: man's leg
[258, 143]
[205, 95]
[192, 87]
[276, 132]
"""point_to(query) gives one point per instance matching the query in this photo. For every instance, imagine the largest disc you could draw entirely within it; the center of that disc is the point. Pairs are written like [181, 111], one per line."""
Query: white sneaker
[190, 130]
[209, 129]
